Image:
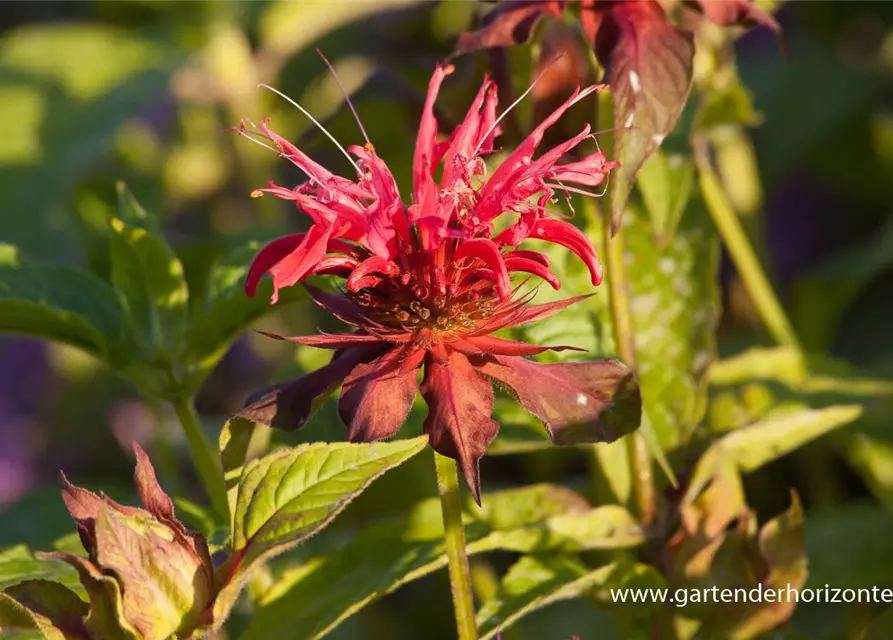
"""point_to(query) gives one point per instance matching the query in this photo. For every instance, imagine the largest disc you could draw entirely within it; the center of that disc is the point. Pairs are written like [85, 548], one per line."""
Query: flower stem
[742, 252]
[641, 474]
[204, 456]
[454, 533]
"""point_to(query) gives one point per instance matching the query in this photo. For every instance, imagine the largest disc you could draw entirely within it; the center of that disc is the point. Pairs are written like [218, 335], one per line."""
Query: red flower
[428, 284]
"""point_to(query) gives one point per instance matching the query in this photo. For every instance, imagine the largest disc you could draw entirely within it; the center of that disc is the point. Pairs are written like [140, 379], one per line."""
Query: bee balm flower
[427, 284]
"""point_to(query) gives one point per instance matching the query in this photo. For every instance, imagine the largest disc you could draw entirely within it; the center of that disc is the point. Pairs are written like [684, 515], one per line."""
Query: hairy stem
[204, 456]
[454, 533]
[742, 252]
[641, 474]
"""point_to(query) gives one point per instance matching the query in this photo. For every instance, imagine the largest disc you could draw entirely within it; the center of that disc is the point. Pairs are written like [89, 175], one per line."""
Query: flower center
[411, 309]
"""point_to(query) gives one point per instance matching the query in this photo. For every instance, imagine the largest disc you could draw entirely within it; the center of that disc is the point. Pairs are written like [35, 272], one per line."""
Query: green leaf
[18, 564]
[58, 611]
[535, 582]
[290, 494]
[665, 182]
[149, 278]
[338, 582]
[235, 440]
[752, 447]
[14, 616]
[57, 303]
[227, 310]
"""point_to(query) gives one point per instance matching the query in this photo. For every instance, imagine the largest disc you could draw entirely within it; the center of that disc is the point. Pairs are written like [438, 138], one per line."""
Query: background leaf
[57, 303]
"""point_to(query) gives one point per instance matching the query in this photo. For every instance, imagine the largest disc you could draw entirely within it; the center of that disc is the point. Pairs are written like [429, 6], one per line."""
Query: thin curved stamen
[344, 93]
[316, 122]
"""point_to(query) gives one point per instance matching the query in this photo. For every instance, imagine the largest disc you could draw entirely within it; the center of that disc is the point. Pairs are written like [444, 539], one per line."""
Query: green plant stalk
[204, 456]
[742, 252]
[641, 472]
[454, 534]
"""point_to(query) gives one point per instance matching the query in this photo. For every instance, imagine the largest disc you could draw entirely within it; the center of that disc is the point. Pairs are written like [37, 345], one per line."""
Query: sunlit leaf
[535, 582]
[57, 611]
[150, 280]
[751, 447]
[381, 558]
[287, 496]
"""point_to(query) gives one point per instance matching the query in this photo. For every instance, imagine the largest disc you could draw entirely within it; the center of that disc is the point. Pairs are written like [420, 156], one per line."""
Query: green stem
[742, 252]
[454, 533]
[641, 473]
[204, 456]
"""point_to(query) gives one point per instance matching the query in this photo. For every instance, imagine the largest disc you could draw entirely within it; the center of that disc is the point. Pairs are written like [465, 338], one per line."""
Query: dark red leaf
[738, 12]
[578, 402]
[153, 497]
[83, 505]
[649, 68]
[459, 406]
[508, 24]
[288, 405]
[377, 396]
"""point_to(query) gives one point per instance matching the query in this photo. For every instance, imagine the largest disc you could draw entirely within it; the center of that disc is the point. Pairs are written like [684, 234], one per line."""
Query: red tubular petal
[289, 405]
[325, 341]
[458, 423]
[578, 402]
[377, 396]
[590, 171]
[335, 265]
[486, 251]
[424, 146]
[520, 314]
[503, 347]
[375, 264]
[316, 171]
[567, 235]
[296, 265]
[271, 254]
[464, 141]
[339, 306]
[536, 256]
[529, 266]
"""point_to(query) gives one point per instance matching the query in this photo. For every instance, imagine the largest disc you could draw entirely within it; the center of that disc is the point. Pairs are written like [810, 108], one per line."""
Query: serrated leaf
[290, 494]
[57, 610]
[751, 447]
[227, 310]
[15, 617]
[648, 64]
[333, 586]
[536, 582]
[150, 281]
[57, 303]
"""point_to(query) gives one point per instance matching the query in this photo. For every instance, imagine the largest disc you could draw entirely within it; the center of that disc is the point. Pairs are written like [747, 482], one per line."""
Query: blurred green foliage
[148, 285]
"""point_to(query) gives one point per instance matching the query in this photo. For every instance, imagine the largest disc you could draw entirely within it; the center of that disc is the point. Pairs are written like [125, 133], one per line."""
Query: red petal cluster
[427, 284]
